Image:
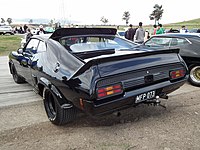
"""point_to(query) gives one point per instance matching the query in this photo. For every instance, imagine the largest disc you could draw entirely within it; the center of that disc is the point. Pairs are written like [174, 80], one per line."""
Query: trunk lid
[136, 61]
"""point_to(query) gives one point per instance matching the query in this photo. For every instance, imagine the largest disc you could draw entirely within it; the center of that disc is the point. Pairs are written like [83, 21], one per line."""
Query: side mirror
[20, 51]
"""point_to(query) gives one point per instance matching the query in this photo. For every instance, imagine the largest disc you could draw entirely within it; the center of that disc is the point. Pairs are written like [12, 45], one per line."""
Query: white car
[5, 29]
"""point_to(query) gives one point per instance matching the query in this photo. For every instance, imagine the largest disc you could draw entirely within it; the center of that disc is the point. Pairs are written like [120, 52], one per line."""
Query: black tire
[194, 75]
[57, 115]
[18, 79]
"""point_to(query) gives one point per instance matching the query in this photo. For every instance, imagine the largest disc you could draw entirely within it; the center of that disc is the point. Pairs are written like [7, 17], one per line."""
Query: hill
[194, 23]
[190, 22]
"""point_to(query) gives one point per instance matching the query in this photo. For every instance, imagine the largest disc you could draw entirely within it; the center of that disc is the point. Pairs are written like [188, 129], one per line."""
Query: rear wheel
[18, 79]
[194, 77]
[58, 115]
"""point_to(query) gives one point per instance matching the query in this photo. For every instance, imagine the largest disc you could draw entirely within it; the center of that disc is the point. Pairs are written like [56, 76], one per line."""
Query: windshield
[78, 44]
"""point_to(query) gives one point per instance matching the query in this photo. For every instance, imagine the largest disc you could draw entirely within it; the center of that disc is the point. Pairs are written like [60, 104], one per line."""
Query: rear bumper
[128, 99]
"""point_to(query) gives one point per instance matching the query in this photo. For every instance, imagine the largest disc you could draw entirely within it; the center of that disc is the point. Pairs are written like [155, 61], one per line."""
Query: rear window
[93, 43]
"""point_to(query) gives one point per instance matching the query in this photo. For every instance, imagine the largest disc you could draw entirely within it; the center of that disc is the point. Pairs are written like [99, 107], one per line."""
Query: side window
[32, 45]
[41, 47]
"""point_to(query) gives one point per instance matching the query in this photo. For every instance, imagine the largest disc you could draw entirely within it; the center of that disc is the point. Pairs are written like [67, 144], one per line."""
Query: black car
[172, 31]
[189, 44]
[95, 71]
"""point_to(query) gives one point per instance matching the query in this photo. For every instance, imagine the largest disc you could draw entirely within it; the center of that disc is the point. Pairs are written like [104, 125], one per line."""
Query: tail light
[109, 91]
[177, 74]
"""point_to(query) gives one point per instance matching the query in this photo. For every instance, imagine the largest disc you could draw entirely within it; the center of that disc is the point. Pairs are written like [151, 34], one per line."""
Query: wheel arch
[43, 82]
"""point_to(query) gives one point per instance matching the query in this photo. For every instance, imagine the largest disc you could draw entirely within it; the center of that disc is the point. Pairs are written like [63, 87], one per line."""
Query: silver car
[5, 29]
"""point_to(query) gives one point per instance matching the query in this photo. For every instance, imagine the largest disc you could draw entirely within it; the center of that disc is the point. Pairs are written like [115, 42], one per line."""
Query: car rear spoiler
[97, 61]
[62, 32]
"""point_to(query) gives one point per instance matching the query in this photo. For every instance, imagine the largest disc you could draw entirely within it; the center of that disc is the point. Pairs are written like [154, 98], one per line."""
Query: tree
[156, 15]
[3, 20]
[104, 20]
[126, 17]
[9, 20]
[30, 21]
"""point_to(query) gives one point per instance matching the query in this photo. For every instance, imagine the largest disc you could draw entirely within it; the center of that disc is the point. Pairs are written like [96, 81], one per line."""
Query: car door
[28, 52]
[37, 62]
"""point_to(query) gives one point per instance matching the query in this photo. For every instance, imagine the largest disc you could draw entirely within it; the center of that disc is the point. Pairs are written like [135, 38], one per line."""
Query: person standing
[25, 28]
[130, 33]
[28, 34]
[183, 29]
[154, 29]
[140, 34]
[21, 30]
[41, 30]
[160, 29]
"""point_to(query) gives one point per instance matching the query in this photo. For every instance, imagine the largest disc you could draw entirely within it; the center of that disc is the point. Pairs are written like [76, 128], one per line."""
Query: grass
[9, 43]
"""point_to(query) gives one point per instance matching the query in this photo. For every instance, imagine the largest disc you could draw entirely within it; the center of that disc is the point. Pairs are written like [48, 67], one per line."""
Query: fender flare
[60, 98]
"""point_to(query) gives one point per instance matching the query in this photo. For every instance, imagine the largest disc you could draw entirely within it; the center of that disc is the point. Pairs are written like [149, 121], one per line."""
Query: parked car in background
[195, 30]
[95, 71]
[189, 45]
[49, 30]
[172, 31]
[6, 29]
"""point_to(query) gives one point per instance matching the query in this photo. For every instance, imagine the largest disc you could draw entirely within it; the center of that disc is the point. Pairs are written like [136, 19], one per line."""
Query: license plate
[145, 96]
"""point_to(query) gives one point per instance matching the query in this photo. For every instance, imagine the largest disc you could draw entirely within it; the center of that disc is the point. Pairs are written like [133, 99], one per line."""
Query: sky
[90, 11]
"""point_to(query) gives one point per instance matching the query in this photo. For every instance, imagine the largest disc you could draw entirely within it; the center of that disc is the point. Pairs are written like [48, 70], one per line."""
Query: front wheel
[57, 114]
[194, 77]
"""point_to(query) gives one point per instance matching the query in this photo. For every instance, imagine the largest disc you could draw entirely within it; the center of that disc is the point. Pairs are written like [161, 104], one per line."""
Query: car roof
[186, 35]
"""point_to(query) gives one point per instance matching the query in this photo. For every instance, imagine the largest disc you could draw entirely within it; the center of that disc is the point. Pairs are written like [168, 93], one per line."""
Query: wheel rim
[195, 74]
